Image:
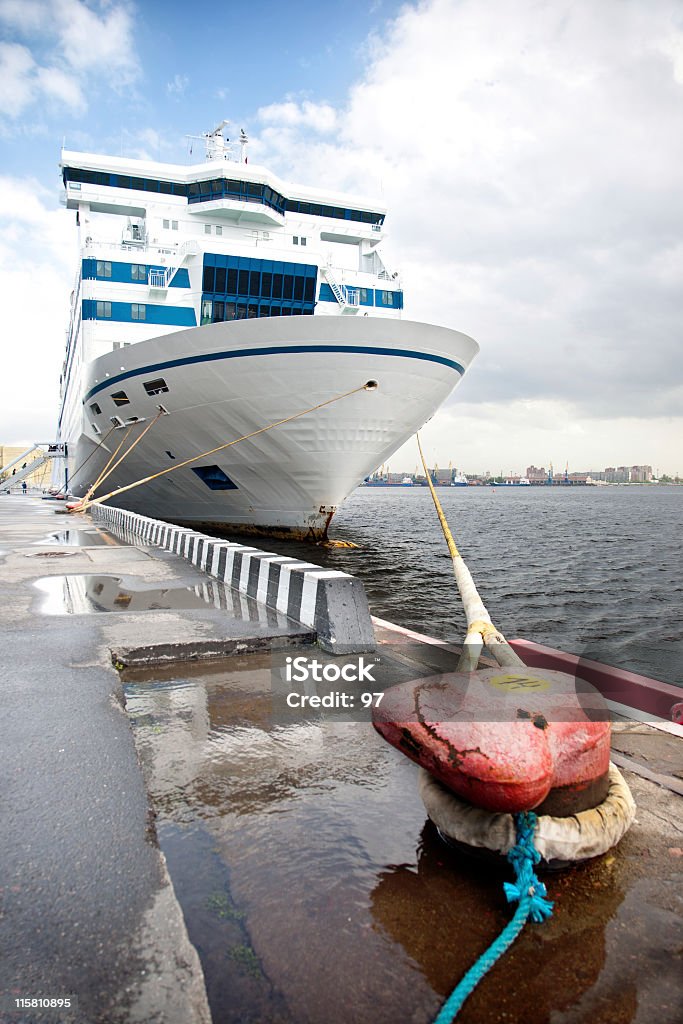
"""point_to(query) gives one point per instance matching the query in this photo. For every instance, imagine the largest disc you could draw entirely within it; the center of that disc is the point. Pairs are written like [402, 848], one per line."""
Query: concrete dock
[172, 854]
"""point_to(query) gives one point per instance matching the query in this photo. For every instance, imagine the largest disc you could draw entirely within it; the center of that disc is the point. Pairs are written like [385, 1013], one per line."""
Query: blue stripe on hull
[271, 350]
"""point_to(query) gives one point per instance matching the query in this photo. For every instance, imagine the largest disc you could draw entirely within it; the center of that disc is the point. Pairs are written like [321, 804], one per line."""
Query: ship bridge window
[214, 478]
[120, 398]
[96, 409]
[155, 387]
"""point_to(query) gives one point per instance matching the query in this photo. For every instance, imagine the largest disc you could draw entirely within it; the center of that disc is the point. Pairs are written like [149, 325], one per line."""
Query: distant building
[536, 475]
[641, 474]
[620, 475]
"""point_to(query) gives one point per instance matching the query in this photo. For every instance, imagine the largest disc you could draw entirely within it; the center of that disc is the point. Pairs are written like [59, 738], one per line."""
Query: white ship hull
[229, 379]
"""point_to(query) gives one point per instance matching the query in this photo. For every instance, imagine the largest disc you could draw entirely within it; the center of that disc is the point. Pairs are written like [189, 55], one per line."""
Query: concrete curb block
[331, 602]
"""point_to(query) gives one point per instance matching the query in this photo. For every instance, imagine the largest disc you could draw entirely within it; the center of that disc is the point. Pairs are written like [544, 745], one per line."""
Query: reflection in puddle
[315, 890]
[81, 539]
[82, 595]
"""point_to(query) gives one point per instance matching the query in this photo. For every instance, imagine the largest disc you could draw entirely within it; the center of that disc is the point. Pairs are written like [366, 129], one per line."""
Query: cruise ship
[213, 301]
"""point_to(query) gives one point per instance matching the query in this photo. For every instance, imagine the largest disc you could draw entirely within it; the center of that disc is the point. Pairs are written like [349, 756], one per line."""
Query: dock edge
[332, 602]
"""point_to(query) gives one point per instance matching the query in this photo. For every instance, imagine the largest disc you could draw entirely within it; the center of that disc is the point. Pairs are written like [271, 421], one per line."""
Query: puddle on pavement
[316, 891]
[86, 594]
[81, 539]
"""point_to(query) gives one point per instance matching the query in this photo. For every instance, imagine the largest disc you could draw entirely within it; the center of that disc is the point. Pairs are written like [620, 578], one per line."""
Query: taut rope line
[108, 471]
[480, 628]
[368, 386]
[530, 893]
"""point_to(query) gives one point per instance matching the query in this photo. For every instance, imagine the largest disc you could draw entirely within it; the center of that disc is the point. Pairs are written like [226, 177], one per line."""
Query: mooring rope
[97, 446]
[109, 469]
[531, 896]
[80, 505]
[527, 890]
[368, 386]
[480, 628]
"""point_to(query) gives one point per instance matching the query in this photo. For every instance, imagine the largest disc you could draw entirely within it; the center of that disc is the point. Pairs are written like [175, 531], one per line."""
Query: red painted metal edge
[648, 695]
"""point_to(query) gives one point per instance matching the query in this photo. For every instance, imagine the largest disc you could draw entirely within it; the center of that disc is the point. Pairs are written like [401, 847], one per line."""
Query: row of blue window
[215, 311]
[366, 296]
[132, 312]
[243, 277]
[219, 188]
[129, 273]
[241, 191]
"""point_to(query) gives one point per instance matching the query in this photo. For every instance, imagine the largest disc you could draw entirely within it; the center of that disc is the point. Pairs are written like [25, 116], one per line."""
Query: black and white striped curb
[331, 602]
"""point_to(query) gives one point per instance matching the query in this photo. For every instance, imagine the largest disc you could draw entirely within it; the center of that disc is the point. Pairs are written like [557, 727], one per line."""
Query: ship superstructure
[187, 274]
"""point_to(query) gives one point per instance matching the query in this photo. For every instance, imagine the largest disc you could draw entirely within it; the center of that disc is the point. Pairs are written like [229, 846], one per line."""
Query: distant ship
[227, 301]
[459, 480]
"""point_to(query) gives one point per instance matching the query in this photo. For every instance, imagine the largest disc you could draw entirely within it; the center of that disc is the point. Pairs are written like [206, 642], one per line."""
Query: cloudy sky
[530, 154]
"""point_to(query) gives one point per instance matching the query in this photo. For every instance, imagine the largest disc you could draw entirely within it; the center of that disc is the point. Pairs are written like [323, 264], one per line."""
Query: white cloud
[24, 83]
[62, 87]
[36, 244]
[62, 42]
[17, 71]
[27, 15]
[104, 43]
[178, 85]
[320, 117]
[529, 155]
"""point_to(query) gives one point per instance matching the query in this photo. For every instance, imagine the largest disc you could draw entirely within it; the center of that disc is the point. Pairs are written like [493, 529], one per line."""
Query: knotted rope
[531, 896]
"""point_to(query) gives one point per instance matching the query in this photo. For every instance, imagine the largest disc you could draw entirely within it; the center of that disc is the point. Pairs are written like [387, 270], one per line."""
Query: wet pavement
[316, 890]
[312, 886]
[86, 903]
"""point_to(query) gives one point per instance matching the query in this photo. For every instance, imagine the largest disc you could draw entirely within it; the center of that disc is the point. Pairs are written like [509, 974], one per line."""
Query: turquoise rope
[533, 903]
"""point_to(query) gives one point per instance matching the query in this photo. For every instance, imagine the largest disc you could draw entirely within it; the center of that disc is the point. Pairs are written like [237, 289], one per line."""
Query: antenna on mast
[218, 145]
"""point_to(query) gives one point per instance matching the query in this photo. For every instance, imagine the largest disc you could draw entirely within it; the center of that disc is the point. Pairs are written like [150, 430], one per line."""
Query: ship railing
[159, 279]
[348, 298]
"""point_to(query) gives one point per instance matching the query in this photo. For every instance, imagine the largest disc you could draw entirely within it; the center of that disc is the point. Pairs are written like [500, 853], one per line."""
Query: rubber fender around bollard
[576, 838]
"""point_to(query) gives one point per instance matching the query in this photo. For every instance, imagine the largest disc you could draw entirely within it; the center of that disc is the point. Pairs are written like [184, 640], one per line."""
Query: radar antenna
[218, 145]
